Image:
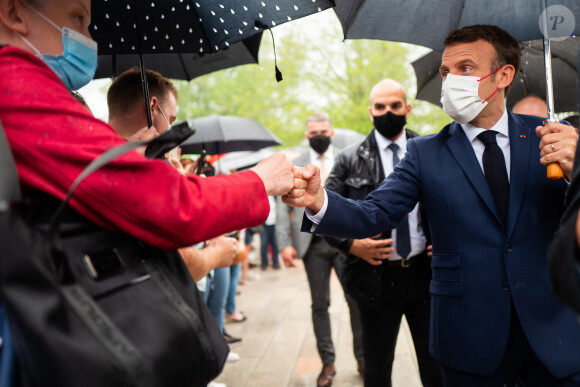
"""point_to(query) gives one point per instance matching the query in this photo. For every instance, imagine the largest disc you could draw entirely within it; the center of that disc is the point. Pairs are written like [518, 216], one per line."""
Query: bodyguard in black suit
[388, 276]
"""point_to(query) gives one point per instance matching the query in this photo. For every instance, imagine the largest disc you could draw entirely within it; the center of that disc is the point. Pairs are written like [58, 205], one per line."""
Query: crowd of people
[450, 230]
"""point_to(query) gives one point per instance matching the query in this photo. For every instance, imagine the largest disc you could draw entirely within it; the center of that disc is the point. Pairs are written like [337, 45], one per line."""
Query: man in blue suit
[492, 213]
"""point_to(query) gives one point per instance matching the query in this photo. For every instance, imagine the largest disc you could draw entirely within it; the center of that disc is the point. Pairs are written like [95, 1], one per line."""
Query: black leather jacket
[358, 171]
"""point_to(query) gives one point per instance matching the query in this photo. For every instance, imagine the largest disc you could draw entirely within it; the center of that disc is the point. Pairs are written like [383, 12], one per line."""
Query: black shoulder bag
[88, 307]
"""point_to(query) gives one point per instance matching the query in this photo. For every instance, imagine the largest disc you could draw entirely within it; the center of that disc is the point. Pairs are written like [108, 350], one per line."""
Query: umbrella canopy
[243, 159]
[188, 26]
[224, 134]
[186, 66]
[529, 81]
[426, 23]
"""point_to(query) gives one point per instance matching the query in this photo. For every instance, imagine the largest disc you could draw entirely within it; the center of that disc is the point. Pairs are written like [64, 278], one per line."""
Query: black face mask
[319, 143]
[389, 125]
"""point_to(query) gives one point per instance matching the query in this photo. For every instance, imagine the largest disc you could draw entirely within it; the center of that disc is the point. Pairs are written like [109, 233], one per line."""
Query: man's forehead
[478, 51]
[318, 126]
[388, 98]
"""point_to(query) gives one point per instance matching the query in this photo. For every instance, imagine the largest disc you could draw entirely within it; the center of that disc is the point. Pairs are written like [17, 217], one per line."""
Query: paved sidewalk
[278, 346]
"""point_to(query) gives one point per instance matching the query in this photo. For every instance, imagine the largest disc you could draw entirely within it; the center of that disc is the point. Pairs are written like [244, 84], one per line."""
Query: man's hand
[223, 249]
[307, 191]
[372, 251]
[276, 173]
[143, 134]
[558, 145]
[289, 254]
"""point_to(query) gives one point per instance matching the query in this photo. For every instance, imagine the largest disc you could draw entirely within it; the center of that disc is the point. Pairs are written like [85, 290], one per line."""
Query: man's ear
[12, 16]
[153, 102]
[506, 75]
[409, 108]
[371, 114]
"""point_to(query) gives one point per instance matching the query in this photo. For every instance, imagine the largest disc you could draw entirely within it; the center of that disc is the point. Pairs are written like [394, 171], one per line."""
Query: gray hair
[317, 117]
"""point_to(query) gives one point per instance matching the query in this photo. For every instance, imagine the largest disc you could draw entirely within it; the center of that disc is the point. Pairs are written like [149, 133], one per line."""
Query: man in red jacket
[53, 138]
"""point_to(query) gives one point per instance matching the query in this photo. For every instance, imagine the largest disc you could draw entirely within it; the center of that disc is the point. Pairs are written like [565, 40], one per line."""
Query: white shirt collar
[501, 126]
[328, 155]
[383, 143]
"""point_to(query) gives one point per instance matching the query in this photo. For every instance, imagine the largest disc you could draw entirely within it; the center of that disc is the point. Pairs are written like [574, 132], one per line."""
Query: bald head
[389, 96]
[388, 86]
[531, 105]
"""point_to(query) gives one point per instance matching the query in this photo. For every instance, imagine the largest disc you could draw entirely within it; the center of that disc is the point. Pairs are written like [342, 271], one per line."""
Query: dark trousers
[318, 262]
[404, 291]
[519, 367]
[268, 238]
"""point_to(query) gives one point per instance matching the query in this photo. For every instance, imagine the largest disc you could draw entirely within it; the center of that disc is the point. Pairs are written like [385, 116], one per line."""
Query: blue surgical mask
[77, 64]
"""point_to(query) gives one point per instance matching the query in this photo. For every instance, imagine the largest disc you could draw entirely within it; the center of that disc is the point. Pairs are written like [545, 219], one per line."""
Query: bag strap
[9, 184]
[171, 138]
[99, 162]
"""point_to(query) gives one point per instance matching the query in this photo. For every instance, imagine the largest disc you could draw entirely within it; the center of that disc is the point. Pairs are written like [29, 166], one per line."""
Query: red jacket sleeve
[53, 137]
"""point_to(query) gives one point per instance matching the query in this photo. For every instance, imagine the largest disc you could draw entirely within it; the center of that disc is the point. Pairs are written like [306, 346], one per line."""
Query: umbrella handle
[554, 171]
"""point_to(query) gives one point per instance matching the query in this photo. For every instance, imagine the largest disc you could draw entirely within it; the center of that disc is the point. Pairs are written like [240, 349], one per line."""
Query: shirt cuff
[317, 218]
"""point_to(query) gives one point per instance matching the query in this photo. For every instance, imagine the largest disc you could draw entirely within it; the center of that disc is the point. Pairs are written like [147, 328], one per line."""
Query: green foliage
[321, 73]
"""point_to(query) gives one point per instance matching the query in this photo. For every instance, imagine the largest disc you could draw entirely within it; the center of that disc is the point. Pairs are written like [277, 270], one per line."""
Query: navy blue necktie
[495, 172]
[403, 236]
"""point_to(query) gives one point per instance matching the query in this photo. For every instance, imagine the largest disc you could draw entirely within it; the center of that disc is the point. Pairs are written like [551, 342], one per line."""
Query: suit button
[506, 286]
[508, 249]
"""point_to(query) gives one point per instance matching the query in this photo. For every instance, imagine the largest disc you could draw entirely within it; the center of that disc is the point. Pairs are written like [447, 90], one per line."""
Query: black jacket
[564, 254]
[357, 172]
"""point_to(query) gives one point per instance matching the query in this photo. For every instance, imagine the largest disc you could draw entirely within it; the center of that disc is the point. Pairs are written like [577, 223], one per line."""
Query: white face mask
[460, 97]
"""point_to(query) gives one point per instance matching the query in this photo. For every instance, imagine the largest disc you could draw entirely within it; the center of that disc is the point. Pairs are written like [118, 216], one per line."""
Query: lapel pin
[522, 136]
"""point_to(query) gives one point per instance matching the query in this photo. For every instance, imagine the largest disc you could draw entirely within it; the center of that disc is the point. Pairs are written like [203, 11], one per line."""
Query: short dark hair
[506, 46]
[126, 91]
[317, 117]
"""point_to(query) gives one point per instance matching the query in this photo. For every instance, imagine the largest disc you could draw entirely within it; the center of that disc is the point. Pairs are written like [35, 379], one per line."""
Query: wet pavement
[278, 347]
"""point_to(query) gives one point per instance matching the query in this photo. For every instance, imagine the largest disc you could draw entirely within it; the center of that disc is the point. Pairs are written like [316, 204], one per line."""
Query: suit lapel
[463, 152]
[520, 151]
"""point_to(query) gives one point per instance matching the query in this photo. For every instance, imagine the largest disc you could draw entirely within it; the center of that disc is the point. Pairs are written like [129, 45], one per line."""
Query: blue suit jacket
[479, 266]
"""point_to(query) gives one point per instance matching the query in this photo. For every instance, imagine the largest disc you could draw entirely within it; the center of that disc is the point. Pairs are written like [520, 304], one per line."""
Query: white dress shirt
[503, 140]
[418, 240]
[328, 158]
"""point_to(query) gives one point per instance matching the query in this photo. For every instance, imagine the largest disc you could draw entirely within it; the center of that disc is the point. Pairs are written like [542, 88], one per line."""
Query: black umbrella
[190, 26]
[187, 26]
[426, 23]
[529, 81]
[186, 66]
[243, 159]
[224, 134]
